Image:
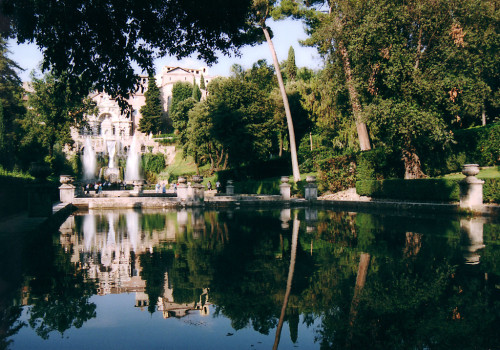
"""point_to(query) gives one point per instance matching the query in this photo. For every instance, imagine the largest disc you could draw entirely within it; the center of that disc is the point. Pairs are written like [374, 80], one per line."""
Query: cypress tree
[202, 83]
[153, 109]
[196, 91]
[291, 67]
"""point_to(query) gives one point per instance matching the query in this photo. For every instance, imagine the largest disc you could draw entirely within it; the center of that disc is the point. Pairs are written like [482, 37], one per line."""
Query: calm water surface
[244, 279]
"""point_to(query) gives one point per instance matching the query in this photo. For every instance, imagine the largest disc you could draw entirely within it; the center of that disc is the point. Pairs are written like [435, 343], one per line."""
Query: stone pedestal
[311, 189]
[182, 189]
[67, 189]
[285, 188]
[198, 190]
[471, 188]
[229, 188]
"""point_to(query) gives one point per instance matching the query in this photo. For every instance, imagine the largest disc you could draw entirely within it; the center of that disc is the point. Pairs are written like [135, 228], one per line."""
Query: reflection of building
[109, 247]
[113, 125]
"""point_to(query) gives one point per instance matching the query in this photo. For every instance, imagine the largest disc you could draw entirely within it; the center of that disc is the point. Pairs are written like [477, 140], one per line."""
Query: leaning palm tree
[262, 9]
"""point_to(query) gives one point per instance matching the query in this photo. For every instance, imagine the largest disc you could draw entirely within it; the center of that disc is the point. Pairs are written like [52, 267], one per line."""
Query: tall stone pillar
[285, 188]
[471, 188]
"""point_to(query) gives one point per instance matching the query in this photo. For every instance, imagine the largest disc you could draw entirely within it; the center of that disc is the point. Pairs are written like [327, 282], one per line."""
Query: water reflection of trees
[416, 292]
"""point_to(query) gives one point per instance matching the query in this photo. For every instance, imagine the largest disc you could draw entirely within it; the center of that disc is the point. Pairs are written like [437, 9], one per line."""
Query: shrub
[442, 190]
[337, 173]
[479, 145]
[380, 163]
[257, 171]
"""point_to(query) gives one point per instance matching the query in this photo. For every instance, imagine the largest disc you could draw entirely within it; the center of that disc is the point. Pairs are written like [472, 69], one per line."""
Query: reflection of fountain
[88, 231]
[89, 161]
[132, 170]
[133, 228]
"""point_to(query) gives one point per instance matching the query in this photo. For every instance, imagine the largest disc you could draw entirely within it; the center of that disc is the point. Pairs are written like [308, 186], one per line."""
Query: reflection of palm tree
[364, 262]
[295, 235]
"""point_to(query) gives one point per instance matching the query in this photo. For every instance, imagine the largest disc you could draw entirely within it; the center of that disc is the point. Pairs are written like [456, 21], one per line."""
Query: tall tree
[196, 91]
[54, 107]
[202, 83]
[263, 9]
[152, 111]
[11, 93]
[291, 67]
[180, 91]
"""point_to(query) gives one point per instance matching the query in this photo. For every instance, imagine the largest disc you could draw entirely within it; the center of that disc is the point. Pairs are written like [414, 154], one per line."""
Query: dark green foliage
[152, 111]
[421, 189]
[377, 164]
[153, 164]
[479, 145]
[12, 107]
[491, 191]
[257, 171]
[337, 173]
[99, 43]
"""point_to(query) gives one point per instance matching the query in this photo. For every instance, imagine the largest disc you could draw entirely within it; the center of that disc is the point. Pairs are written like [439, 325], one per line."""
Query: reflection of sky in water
[119, 325]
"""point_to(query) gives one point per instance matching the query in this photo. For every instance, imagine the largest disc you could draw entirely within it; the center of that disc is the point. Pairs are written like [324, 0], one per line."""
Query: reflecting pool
[251, 279]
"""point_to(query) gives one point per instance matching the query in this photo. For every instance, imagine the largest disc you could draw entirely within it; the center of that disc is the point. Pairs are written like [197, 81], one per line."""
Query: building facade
[112, 126]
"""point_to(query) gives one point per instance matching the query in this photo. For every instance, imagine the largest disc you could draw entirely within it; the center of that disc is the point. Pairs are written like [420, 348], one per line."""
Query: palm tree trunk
[293, 148]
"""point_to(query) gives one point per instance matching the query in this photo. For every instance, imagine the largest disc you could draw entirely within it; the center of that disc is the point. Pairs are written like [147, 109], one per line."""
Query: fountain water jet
[132, 172]
[89, 161]
[111, 152]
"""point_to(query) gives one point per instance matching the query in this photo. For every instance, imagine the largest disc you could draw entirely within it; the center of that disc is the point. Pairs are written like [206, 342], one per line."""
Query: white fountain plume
[89, 161]
[88, 231]
[133, 162]
[111, 152]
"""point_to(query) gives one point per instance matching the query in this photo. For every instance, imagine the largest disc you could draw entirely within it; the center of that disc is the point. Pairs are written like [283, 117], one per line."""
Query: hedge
[440, 190]
[257, 171]
[14, 194]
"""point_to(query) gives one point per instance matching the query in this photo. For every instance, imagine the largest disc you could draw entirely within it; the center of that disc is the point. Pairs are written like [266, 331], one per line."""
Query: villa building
[112, 127]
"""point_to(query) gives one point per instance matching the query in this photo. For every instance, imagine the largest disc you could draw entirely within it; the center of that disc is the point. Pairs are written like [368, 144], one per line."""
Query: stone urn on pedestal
[311, 189]
[67, 189]
[471, 188]
[182, 188]
[198, 188]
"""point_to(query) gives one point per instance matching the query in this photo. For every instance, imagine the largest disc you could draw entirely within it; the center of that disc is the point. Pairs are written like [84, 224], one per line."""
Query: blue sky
[286, 33]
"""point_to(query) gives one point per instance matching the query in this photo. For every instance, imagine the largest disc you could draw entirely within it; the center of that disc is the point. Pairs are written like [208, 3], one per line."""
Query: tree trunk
[293, 253]
[293, 148]
[413, 169]
[364, 139]
[483, 116]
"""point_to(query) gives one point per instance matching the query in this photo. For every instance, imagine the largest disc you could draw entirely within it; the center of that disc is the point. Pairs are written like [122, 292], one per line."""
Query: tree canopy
[100, 42]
